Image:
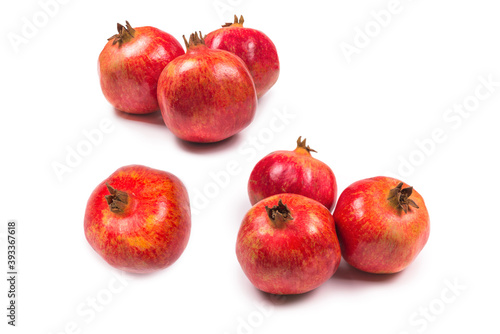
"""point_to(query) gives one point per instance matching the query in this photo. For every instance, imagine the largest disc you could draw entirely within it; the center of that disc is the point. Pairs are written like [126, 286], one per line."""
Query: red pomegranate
[206, 95]
[287, 244]
[294, 172]
[131, 63]
[382, 224]
[254, 47]
[138, 219]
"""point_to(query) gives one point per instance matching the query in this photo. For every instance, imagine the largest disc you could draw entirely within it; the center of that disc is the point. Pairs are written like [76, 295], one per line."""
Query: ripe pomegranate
[287, 244]
[131, 63]
[138, 219]
[206, 95]
[254, 47]
[382, 224]
[294, 172]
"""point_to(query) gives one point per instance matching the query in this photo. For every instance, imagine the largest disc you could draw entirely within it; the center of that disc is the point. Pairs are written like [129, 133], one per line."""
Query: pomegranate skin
[129, 71]
[294, 172]
[290, 257]
[206, 95]
[151, 231]
[375, 235]
[254, 47]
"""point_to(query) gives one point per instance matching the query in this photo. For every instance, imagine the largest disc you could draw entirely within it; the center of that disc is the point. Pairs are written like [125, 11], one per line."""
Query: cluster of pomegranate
[206, 94]
[289, 242]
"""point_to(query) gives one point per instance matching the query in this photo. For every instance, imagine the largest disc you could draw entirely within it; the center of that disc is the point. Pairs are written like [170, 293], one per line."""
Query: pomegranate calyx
[279, 214]
[401, 197]
[117, 200]
[194, 40]
[302, 145]
[236, 22]
[125, 33]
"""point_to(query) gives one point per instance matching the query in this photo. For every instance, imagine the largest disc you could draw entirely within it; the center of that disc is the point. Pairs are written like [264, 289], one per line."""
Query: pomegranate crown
[236, 22]
[194, 40]
[125, 33]
[302, 144]
[117, 200]
[279, 214]
[401, 197]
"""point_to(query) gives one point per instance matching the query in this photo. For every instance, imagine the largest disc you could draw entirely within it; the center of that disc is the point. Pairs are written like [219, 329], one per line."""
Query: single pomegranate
[139, 219]
[254, 47]
[382, 224]
[287, 244]
[131, 63]
[206, 95]
[294, 172]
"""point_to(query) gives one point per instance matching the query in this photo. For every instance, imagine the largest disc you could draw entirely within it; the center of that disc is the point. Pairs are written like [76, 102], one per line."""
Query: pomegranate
[382, 224]
[254, 47]
[131, 63]
[294, 172]
[206, 95]
[287, 244]
[138, 219]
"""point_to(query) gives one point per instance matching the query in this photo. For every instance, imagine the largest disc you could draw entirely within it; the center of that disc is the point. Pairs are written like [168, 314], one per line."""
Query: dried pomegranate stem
[124, 34]
[194, 40]
[401, 197]
[302, 144]
[117, 200]
[235, 23]
[279, 214]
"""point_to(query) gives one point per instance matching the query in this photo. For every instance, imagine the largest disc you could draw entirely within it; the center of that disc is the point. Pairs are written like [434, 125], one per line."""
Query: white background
[363, 117]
